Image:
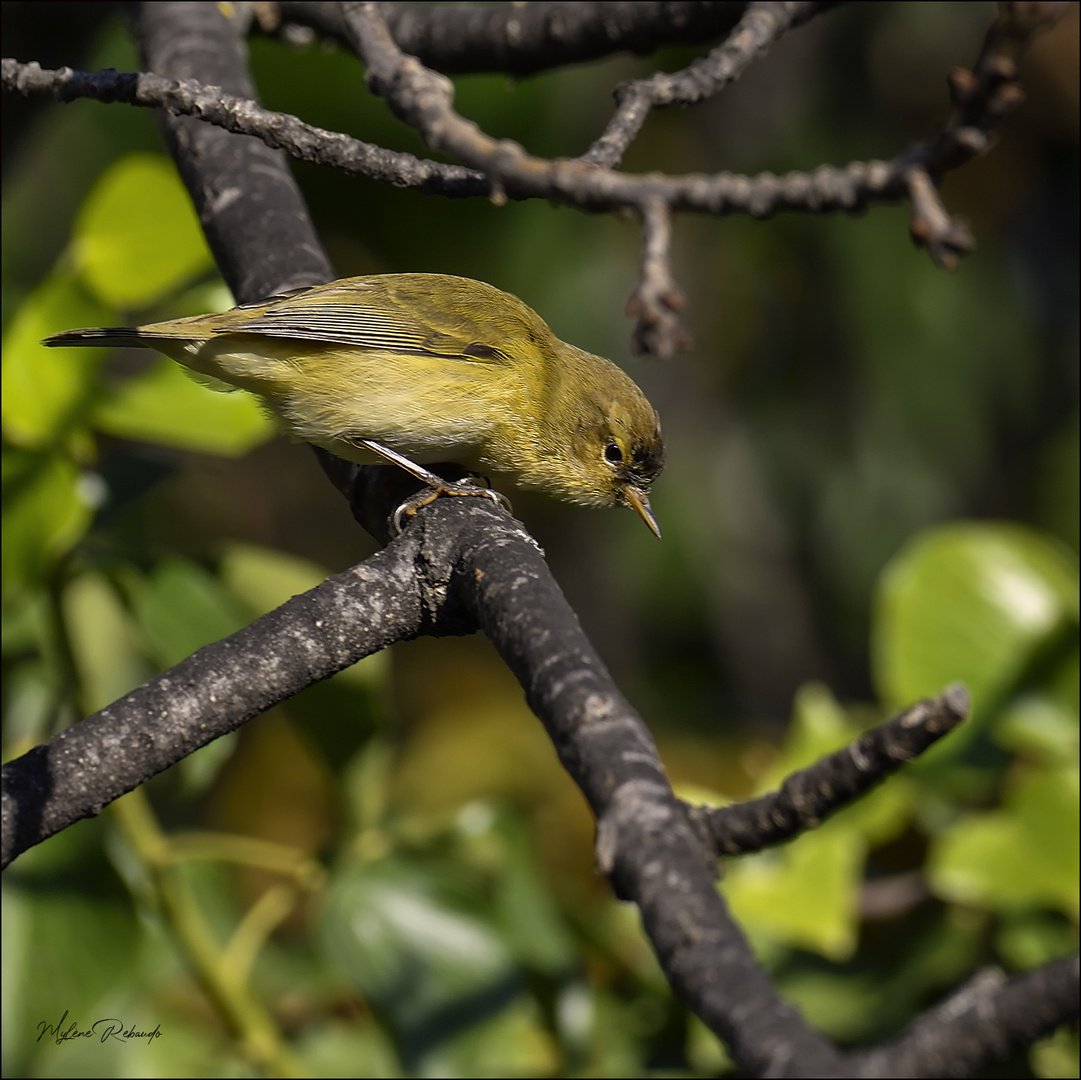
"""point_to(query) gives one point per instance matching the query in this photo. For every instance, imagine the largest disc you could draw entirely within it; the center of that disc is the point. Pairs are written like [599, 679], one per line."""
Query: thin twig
[282, 131]
[657, 300]
[980, 99]
[762, 24]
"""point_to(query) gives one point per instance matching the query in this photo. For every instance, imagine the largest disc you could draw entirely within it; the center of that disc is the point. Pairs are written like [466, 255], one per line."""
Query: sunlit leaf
[183, 608]
[163, 405]
[137, 236]
[968, 602]
[1022, 855]
[46, 510]
[513, 1042]
[1039, 725]
[103, 641]
[45, 390]
[1056, 1055]
[264, 578]
[805, 894]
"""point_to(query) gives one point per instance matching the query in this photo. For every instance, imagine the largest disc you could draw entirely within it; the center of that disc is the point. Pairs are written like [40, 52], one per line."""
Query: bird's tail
[115, 336]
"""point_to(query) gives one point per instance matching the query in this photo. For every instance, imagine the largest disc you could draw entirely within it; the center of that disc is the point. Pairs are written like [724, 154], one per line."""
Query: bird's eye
[612, 454]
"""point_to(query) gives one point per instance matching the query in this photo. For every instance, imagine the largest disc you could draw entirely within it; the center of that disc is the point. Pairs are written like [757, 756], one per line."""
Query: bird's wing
[368, 320]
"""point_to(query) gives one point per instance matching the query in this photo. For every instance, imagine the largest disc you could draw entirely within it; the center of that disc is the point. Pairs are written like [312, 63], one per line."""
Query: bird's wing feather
[378, 325]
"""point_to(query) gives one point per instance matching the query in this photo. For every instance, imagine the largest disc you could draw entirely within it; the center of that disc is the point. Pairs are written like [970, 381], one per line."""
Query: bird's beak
[640, 501]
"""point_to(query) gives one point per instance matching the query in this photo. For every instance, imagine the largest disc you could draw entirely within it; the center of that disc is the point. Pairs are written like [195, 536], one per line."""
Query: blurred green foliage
[872, 487]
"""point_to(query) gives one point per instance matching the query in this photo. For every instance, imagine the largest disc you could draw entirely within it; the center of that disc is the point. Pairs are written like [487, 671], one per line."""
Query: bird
[422, 368]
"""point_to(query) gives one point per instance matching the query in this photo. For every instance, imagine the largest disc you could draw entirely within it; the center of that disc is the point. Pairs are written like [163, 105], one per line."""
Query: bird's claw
[428, 495]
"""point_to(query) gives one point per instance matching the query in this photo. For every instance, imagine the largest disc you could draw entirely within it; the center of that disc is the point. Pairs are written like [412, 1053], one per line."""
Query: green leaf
[706, 1054]
[356, 1046]
[46, 510]
[1031, 938]
[424, 961]
[63, 951]
[819, 727]
[137, 237]
[45, 390]
[529, 920]
[1024, 855]
[1040, 726]
[843, 1004]
[163, 405]
[103, 641]
[513, 1042]
[181, 609]
[805, 894]
[1056, 1055]
[264, 579]
[31, 703]
[968, 602]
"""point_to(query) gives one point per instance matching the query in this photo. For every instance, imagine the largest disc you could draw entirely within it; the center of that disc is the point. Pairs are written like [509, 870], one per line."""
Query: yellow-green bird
[427, 368]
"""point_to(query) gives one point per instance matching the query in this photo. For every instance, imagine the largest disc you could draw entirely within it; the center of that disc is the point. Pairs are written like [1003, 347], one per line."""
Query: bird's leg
[436, 484]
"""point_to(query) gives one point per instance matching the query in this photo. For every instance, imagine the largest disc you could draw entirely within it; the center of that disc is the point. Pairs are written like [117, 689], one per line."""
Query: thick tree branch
[249, 192]
[986, 1021]
[645, 842]
[78, 772]
[461, 564]
[523, 39]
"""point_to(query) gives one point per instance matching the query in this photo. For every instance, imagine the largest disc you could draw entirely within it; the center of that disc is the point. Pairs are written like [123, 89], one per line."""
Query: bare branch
[423, 99]
[826, 189]
[810, 795]
[946, 238]
[657, 299]
[762, 24]
[502, 169]
[980, 99]
[243, 116]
